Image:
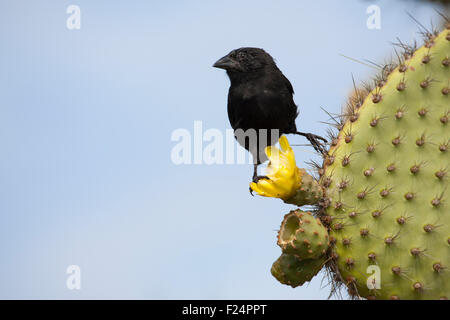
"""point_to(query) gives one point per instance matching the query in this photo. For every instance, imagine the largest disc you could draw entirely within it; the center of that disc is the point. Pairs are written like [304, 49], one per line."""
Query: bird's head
[245, 60]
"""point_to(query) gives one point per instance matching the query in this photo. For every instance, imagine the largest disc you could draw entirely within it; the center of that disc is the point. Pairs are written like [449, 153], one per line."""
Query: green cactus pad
[291, 270]
[303, 235]
[387, 177]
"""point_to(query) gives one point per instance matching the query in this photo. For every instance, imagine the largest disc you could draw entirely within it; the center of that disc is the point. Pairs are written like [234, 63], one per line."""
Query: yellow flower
[285, 177]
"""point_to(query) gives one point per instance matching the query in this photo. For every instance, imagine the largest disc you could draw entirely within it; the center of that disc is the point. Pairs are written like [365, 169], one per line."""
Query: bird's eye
[241, 55]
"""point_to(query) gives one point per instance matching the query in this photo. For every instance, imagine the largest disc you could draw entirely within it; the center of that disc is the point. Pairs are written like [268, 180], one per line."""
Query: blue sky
[86, 118]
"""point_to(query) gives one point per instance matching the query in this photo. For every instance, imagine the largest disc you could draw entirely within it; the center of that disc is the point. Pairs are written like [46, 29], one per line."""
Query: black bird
[260, 97]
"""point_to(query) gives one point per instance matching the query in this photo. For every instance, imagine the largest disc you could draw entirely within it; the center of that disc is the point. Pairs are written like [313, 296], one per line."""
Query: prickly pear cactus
[304, 242]
[291, 270]
[383, 196]
[303, 234]
[386, 175]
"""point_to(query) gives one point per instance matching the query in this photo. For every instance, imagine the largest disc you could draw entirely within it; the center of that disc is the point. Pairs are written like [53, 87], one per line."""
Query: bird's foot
[317, 145]
[256, 180]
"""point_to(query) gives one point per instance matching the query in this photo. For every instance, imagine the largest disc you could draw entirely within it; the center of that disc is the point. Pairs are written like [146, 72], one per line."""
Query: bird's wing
[277, 107]
[293, 109]
[263, 105]
[287, 84]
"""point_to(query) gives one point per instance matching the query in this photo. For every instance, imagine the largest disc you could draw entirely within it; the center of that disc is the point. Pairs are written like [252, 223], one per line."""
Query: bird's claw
[314, 140]
[317, 145]
[256, 180]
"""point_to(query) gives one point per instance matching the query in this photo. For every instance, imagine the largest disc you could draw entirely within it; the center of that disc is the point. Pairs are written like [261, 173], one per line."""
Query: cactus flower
[284, 176]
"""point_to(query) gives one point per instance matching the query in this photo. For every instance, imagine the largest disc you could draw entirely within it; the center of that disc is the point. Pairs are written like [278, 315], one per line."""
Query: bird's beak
[226, 63]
